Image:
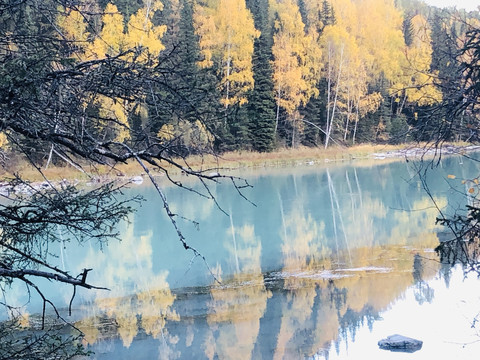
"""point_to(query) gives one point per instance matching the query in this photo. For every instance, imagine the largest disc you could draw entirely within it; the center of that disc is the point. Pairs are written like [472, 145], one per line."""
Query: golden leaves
[114, 38]
[416, 77]
[111, 40]
[142, 33]
[74, 26]
[226, 35]
[297, 59]
[3, 140]
[472, 186]
[116, 110]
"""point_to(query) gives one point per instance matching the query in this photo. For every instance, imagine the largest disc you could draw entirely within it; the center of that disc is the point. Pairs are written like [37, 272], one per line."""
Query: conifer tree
[314, 113]
[407, 28]
[327, 14]
[261, 101]
[192, 108]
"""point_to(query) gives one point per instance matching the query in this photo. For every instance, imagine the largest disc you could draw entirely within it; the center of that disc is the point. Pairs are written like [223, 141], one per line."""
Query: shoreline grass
[227, 161]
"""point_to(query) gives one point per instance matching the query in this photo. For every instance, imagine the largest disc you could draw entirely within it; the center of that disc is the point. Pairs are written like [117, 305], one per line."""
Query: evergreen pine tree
[327, 15]
[407, 28]
[126, 7]
[261, 101]
[303, 12]
[314, 112]
[314, 118]
[195, 97]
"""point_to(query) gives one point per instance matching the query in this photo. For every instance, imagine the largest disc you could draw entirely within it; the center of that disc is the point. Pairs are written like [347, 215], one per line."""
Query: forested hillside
[236, 74]
[98, 82]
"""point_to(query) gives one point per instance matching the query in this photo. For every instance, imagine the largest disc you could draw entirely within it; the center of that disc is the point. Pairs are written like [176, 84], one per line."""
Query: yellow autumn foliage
[116, 111]
[3, 140]
[111, 40]
[141, 33]
[226, 35]
[296, 63]
[416, 79]
[73, 25]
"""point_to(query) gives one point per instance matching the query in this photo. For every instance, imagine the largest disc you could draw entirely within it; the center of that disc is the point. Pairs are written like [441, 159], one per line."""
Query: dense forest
[243, 75]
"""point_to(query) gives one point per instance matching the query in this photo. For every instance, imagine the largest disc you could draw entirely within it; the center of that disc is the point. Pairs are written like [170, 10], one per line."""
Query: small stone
[400, 343]
[137, 180]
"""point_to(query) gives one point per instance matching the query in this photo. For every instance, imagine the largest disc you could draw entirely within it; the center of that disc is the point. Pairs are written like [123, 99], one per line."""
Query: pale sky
[460, 4]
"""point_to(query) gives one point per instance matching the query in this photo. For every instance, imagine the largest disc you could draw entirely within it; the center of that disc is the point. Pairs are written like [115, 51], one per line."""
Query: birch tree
[296, 63]
[227, 33]
[417, 82]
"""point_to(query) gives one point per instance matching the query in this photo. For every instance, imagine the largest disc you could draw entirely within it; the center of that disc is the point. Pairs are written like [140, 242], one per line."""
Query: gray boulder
[400, 343]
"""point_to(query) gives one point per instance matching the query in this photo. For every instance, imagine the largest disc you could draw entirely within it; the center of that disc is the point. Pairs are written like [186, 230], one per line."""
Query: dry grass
[230, 160]
[282, 157]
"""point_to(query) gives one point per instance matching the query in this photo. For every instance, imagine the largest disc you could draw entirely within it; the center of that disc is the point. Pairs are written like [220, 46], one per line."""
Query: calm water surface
[328, 262]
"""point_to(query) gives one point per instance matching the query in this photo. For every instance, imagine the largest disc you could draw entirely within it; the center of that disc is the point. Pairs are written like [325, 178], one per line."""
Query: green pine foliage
[327, 15]
[398, 129]
[407, 28]
[314, 118]
[261, 101]
[184, 92]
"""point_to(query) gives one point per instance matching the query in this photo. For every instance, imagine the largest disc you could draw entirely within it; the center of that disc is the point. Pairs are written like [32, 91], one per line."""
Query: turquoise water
[329, 260]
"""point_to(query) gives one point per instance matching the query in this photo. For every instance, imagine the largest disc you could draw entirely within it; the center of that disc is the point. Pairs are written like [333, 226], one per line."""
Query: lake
[329, 260]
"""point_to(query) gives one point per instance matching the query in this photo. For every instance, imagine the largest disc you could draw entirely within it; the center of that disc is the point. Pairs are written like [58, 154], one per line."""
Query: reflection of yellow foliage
[247, 251]
[238, 306]
[365, 283]
[239, 300]
[217, 272]
[296, 314]
[155, 310]
[410, 225]
[240, 303]
[302, 248]
[209, 345]
[302, 240]
[127, 327]
[90, 330]
[150, 306]
[149, 309]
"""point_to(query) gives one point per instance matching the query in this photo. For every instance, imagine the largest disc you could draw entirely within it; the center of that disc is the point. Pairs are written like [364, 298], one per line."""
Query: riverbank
[238, 160]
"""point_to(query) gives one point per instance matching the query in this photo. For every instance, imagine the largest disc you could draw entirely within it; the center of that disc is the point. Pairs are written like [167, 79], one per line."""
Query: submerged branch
[21, 273]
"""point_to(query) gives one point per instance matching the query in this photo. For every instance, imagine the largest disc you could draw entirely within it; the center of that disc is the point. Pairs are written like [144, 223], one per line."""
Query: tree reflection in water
[423, 291]
[465, 252]
[295, 283]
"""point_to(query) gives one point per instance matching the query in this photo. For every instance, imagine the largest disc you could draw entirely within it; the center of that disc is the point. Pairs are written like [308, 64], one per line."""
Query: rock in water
[400, 343]
[137, 180]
